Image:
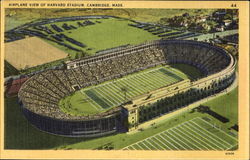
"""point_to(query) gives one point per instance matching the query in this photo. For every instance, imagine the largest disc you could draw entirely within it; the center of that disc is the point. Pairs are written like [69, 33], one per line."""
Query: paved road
[213, 35]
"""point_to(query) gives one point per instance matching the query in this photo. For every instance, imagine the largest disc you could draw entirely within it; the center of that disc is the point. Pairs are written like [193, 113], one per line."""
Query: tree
[77, 56]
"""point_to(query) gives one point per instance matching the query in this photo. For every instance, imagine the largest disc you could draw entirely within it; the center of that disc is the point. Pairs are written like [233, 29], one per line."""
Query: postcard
[124, 80]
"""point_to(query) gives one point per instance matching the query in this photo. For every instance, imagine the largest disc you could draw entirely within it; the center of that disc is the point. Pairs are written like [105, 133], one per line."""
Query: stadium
[123, 88]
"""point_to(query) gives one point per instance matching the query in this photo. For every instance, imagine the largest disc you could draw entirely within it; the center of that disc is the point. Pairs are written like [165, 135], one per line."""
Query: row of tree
[179, 100]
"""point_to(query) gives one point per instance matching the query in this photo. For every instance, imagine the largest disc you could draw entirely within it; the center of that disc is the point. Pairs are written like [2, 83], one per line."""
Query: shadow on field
[191, 72]
[20, 134]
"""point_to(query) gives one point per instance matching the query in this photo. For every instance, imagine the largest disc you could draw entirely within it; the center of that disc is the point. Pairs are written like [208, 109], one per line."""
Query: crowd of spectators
[208, 59]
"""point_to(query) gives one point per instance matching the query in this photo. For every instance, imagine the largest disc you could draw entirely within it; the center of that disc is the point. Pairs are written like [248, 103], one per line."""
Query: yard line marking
[162, 142]
[111, 94]
[119, 89]
[133, 147]
[162, 77]
[137, 85]
[147, 141]
[175, 74]
[140, 140]
[203, 139]
[180, 137]
[156, 143]
[138, 146]
[116, 91]
[169, 142]
[219, 130]
[205, 136]
[108, 95]
[169, 136]
[101, 96]
[113, 100]
[146, 87]
[144, 145]
[169, 79]
[134, 86]
[126, 148]
[133, 92]
[200, 137]
[211, 135]
[194, 139]
[142, 84]
[92, 104]
[133, 75]
[158, 135]
[152, 70]
[232, 146]
[151, 82]
[183, 144]
[100, 108]
[178, 133]
[173, 70]
[181, 128]
[104, 97]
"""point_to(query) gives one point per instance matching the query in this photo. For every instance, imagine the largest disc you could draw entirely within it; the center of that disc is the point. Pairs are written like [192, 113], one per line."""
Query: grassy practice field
[104, 96]
[227, 108]
[104, 34]
[9, 70]
[195, 134]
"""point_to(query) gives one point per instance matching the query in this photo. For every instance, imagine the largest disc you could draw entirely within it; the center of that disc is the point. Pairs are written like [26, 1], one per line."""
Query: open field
[9, 70]
[104, 34]
[99, 98]
[18, 16]
[20, 134]
[31, 52]
[225, 107]
[107, 34]
[195, 134]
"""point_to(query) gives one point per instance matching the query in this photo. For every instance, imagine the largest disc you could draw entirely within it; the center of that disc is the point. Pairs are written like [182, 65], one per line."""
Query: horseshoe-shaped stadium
[39, 96]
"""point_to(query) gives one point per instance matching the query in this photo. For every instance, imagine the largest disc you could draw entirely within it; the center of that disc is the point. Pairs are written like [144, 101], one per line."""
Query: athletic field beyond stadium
[195, 134]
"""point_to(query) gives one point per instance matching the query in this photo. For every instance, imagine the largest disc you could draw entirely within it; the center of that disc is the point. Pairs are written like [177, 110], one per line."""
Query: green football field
[104, 34]
[195, 134]
[104, 96]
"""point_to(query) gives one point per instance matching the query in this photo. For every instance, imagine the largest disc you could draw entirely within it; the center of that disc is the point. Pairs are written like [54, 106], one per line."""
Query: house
[220, 28]
[227, 22]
